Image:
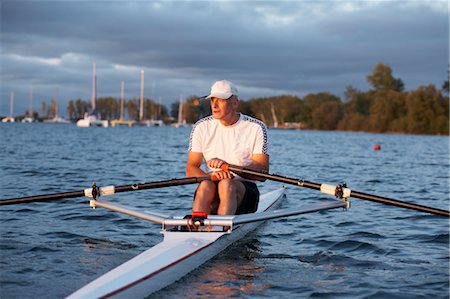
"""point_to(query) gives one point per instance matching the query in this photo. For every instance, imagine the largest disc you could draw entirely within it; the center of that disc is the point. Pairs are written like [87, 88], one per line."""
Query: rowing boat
[180, 252]
[187, 244]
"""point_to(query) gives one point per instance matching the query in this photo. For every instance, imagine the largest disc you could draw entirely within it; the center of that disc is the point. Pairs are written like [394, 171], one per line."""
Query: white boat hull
[170, 260]
[91, 121]
[8, 119]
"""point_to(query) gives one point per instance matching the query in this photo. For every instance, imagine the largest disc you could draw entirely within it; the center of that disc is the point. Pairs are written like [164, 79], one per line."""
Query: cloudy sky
[266, 47]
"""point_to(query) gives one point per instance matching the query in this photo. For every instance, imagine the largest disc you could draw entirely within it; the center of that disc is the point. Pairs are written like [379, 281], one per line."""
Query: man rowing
[226, 136]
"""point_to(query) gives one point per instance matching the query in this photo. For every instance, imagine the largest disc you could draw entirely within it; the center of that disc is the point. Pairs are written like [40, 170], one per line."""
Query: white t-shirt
[234, 144]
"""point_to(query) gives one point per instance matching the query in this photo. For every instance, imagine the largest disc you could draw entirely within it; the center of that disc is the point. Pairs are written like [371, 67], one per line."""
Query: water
[49, 250]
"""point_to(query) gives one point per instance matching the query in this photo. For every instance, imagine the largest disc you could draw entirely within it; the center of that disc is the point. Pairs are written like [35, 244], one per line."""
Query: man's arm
[260, 162]
[194, 161]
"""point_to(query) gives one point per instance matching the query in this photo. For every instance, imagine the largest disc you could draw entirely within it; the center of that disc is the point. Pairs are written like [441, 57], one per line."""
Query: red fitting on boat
[197, 215]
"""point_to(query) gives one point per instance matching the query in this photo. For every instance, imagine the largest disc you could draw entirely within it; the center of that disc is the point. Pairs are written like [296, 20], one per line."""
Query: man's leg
[204, 197]
[231, 194]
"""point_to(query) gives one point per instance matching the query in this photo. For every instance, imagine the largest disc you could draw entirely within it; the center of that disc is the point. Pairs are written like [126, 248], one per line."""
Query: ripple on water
[354, 245]
[370, 251]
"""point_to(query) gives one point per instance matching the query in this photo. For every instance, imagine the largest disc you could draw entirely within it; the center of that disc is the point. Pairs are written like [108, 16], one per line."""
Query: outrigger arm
[216, 220]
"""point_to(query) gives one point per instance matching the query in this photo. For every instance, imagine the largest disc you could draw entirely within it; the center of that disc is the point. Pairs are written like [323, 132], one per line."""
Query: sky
[266, 48]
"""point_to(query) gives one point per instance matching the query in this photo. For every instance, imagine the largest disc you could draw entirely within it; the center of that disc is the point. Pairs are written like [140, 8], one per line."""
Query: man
[226, 136]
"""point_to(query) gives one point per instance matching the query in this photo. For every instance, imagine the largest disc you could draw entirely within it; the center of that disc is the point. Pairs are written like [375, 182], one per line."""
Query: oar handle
[339, 191]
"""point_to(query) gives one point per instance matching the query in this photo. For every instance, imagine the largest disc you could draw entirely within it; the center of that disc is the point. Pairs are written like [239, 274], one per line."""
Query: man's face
[223, 108]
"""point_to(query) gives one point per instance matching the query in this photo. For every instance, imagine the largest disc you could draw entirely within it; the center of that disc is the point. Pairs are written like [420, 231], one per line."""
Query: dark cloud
[266, 47]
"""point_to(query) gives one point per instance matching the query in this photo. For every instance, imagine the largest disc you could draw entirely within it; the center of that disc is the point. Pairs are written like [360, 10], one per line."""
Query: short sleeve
[195, 144]
[261, 142]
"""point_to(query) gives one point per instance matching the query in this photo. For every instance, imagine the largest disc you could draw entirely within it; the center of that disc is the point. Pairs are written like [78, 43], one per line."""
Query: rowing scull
[185, 247]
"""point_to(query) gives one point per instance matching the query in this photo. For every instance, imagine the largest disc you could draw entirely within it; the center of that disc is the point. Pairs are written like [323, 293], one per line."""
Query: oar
[338, 191]
[108, 190]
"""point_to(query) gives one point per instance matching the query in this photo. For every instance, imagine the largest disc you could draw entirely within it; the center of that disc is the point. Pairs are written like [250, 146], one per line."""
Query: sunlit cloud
[266, 48]
[36, 60]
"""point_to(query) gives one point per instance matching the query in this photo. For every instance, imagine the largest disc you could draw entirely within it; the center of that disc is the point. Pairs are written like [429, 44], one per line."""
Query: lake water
[49, 250]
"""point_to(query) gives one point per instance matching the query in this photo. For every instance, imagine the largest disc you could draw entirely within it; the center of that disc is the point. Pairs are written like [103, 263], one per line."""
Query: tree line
[385, 107]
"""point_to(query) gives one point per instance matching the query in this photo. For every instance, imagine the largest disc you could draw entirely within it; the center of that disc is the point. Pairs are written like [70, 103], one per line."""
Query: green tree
[356, 111]
[381, 112]
[326, 116]
[71, 110]
[261, 109]
[44, 109]
[52, 109]
[149, 109]
[81, 107]
[174, 107]
[245, 107]
[190, 110]
[382, 79]
[153, 110]
[323, 111]
[445, 87]
[288, 108]
[427, 111]
[108, 108]
[132, 108]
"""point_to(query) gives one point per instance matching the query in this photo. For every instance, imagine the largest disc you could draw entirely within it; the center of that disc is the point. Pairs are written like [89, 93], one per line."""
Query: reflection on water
[232, 273]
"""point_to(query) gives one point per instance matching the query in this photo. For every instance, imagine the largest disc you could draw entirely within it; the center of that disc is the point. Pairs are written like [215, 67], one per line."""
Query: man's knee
[226, 185]
[230, 187]
[206, 186]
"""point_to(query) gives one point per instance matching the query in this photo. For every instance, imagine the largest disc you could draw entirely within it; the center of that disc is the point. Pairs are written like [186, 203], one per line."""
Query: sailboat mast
[274, 116]
[141, 102]
[94, 86]
[159, 108]
[11, 104]
[30, 103]
[56, 106]
[180, 111]
[121, 100]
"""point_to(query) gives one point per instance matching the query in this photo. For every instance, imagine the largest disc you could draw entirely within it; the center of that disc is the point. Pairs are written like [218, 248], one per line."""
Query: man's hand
[215, 163]
[221, 175]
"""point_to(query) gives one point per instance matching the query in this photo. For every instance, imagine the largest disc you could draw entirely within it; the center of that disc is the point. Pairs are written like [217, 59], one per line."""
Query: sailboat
[56, 119]
[147, 122]
[121, 121]
[10, 118]
[274, 116]
[156, 122]
[92, 119]
[29, 118]
[181, 122]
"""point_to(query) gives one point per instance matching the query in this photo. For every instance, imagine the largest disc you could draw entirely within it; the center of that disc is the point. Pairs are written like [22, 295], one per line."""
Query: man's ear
[235, 103]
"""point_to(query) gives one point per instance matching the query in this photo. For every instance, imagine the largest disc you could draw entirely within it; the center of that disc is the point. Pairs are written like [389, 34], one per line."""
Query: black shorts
[251, 199]
[249, 202]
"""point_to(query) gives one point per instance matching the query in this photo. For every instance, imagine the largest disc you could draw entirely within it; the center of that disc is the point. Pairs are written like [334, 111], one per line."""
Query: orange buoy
[377, 147]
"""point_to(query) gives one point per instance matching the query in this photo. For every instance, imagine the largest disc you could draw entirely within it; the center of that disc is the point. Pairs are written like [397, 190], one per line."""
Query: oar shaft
[273, 177]
[317, 186]
[110, 190]
[398, 203]
[161, 184]
[43, 197]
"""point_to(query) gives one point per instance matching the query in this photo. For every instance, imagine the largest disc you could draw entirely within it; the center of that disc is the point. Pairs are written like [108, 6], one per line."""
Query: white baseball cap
[223, 89]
